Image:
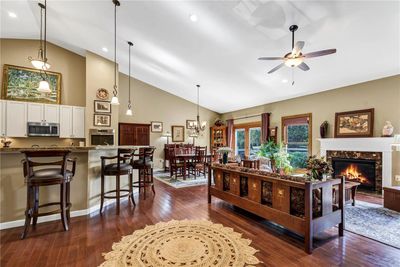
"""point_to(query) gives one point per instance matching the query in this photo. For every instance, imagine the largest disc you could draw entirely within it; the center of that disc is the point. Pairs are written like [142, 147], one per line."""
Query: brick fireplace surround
[375, 148]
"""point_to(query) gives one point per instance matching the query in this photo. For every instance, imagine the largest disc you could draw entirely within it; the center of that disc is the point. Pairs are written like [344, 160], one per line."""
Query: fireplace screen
[356, 170]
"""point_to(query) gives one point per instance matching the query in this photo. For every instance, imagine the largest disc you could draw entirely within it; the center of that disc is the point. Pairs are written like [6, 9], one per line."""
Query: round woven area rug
[182, 243]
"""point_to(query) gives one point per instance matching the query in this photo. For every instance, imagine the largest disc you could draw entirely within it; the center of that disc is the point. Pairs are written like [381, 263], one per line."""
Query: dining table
[186, 158]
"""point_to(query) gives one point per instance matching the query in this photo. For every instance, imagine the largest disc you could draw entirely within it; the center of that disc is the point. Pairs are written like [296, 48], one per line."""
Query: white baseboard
[54, 217]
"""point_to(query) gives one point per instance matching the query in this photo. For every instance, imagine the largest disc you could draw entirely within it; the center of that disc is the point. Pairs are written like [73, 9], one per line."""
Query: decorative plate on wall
[102, 94]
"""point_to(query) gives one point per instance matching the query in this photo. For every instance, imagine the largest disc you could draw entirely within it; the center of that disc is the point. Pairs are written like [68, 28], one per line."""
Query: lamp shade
[114, 100]
[293, 62]
[44, 87]
[40, 64]
[129, 112]
[166, 134]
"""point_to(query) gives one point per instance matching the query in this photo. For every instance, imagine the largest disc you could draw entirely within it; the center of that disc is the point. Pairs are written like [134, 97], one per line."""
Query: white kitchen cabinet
[52, 113]
[78, 122]
[65, 121]
[72, 122]
[16, 119]
[43, 113]
[2, 118]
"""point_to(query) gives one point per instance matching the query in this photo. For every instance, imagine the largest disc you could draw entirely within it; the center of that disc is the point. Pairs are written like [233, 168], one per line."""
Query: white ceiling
[220, 50]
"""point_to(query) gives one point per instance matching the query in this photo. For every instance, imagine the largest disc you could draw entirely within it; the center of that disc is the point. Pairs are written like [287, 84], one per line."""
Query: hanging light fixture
[198, 126]
[129, 110]
[41, 61]
[114, 99]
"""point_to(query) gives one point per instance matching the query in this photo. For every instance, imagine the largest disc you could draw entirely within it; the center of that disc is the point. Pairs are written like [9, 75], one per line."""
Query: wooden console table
[301, 206]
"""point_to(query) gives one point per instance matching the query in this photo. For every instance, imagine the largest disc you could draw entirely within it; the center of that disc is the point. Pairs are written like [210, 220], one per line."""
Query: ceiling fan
[296, 57]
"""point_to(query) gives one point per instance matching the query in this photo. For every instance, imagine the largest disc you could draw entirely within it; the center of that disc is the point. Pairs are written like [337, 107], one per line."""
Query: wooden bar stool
[144, 165]
[56, 173]
[121, 167]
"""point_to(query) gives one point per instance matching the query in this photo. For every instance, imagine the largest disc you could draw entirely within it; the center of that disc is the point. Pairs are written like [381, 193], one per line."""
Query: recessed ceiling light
[284, 81]
[105, 49]
[12, 14]
[193, 17]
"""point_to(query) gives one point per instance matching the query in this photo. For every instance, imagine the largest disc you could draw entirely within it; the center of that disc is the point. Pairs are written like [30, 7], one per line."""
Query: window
[296, 134]
[247, 139]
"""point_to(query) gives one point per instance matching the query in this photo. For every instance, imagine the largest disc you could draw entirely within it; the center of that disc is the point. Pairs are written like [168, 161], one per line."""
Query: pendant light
[41, 61]
[114, 99]
[199, 127]
[129, 110]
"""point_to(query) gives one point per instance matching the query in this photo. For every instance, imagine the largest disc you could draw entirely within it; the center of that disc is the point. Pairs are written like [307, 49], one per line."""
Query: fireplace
[357, 170]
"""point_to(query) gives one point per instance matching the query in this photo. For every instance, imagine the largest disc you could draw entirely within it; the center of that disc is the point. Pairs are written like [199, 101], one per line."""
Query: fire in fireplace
[356, 170]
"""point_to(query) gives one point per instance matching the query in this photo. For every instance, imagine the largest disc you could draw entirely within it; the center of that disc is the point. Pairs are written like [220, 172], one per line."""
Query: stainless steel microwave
[43, 129]
[101, 137]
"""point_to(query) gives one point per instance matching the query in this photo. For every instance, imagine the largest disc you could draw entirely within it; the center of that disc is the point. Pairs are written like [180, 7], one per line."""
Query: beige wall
[99, 74]
[152, 104]
[383, 95]
[69, 64]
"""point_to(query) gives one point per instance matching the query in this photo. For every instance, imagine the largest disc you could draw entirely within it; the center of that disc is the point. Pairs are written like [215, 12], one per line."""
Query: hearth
[357, 170]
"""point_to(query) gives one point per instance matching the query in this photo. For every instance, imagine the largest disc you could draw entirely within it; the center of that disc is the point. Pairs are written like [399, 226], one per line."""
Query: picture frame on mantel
[22, 83]
[178, 133]
[357, 123]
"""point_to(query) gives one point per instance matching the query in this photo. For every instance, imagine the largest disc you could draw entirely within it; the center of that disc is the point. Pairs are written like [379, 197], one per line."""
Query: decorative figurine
[6, 143]
[323, 129]
[388, 129]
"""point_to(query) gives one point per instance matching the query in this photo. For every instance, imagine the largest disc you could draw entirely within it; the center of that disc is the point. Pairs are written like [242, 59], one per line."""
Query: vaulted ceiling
[220, 49]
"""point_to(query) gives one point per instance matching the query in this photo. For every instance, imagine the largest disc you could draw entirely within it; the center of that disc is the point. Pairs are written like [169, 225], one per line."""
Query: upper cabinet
[72, 122]
[43, 113]
[2, 117]
[16, 119]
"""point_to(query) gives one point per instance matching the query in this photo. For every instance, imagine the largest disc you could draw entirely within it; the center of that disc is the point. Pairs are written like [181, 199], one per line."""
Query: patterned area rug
[374, 221]
[182, 243]
[179, 183]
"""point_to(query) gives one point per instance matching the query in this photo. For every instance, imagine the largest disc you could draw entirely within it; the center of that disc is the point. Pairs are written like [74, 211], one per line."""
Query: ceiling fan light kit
[296, 58]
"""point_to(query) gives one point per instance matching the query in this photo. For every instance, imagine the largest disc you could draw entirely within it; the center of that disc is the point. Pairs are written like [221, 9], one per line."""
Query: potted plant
[224, 151]
[268, 150]
[282, 160]
[318, 168]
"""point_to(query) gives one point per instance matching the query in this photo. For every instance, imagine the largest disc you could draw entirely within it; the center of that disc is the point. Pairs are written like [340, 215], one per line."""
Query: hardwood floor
[90, 236]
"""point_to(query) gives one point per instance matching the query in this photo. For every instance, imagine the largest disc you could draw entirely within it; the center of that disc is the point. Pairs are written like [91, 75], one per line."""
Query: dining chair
[176, 166]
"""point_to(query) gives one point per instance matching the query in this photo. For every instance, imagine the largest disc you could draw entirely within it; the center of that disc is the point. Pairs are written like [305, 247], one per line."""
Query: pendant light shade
[41, 61]
[114, 99]
[129, 110]
[44, 87]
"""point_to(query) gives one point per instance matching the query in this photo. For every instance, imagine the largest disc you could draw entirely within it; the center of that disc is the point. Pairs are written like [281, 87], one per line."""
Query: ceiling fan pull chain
[292, 76]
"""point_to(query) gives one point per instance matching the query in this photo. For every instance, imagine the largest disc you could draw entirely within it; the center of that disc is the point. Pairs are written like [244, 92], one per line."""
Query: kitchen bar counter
[85, 187]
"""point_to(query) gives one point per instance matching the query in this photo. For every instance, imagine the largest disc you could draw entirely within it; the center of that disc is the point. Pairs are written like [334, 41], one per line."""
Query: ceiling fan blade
[297, 48]
[270, 58]
[320, 53]
[303, 66]
[276, 68]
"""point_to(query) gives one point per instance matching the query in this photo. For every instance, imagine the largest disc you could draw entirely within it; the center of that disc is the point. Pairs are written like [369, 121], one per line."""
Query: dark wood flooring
[90, 236]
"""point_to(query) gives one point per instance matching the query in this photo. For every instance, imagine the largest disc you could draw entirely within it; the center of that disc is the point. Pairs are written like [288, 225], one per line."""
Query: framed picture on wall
[156, 127]
[357, 123]
[101, 106]
[178, 133]
[102, 120]
[190, 124]
[21, 84]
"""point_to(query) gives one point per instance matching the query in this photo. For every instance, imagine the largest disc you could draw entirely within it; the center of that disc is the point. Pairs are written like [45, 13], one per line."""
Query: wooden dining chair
[199, 161]
[176, 166]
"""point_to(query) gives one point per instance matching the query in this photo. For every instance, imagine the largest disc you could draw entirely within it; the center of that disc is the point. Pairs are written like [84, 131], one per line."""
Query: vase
[323, 129]
[225, 158]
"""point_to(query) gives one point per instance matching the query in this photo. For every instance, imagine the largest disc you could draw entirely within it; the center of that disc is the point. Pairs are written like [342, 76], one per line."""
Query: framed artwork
[102, 94]
[21, 84]
[102, 120]
[178, 133]
[190, 124]
[156, 127]
[102, 106]
[358, 123]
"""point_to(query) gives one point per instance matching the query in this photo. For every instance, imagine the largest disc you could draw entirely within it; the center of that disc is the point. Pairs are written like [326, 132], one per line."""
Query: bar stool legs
[63, 206]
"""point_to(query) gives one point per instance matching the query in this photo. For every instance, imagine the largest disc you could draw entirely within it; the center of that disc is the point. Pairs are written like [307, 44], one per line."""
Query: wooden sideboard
[303, 207]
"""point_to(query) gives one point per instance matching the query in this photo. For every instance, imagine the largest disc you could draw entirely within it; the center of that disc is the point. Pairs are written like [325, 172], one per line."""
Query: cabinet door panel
[52, 113]
[134, 134]
[78, 122]
[65, 122]
[16, 119]
[35, 112]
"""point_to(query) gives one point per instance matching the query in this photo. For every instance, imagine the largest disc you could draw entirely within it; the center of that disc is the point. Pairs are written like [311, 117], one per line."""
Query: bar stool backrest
[29, 163]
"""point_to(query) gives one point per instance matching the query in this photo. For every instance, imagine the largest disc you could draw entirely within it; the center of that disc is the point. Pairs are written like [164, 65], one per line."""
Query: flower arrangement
[318, 167]
[224, 151]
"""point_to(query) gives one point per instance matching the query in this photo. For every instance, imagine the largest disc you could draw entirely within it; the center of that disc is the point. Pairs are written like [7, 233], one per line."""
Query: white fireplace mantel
[372, 144]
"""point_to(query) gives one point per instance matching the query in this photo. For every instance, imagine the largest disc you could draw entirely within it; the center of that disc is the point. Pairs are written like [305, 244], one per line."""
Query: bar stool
[52, 175]
[144, 165]
[121, 167]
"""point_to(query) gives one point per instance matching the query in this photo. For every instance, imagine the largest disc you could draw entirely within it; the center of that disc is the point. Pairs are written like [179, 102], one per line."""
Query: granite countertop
[72, 148]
